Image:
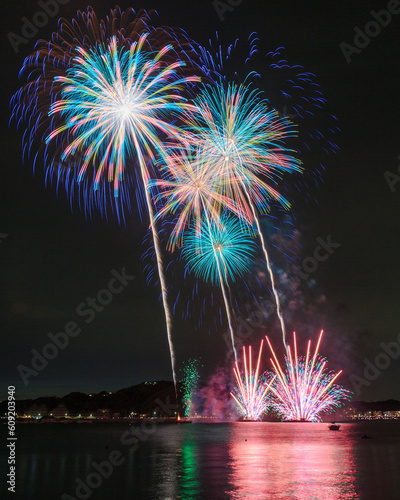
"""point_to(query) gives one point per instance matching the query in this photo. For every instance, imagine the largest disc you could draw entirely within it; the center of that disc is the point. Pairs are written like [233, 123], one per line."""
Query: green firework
[189, 383]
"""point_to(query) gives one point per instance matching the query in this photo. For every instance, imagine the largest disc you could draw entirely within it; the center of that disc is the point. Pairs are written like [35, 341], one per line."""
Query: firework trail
[252, 389]
[270, 271]
[190, 380]
[242, 142]
[306, 388]
[217, 251]
[108, 91]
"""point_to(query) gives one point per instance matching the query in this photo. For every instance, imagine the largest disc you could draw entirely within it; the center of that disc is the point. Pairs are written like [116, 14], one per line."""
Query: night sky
[52, 259]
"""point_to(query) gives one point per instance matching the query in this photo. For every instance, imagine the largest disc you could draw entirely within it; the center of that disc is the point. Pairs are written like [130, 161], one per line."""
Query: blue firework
[223, 248]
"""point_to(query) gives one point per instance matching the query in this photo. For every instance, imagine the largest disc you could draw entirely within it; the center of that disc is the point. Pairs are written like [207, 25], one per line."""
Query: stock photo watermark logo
[372, 29]
[30, 27]
[226, 6]
[246, 327]
[321, 253]
[3, 236]
[100, 472]
[131, 438]
[372, 370]
[87, 309]
[391, 178]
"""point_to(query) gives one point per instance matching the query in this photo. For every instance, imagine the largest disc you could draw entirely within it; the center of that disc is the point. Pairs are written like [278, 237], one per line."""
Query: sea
[243, 460]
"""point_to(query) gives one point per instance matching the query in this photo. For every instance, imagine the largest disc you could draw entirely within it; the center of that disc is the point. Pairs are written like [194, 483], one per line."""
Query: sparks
[252, 387]
[189, 385]
[190, 188]
[306, 388]
[224, 244]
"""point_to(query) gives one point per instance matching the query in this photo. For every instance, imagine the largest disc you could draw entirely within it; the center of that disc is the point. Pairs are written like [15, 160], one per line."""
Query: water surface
[245, 460]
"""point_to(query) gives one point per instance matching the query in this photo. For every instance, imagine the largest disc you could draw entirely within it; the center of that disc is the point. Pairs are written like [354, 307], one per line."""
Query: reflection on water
[290, 461]
[279, 461]
[188, 471]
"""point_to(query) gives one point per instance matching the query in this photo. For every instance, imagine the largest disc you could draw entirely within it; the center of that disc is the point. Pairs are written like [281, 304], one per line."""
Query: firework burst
[221, 251]
[114, 104]
[106, 92]
[306, 388]
[189, 384]
[243, 143]
[252, 387]
[99, 95]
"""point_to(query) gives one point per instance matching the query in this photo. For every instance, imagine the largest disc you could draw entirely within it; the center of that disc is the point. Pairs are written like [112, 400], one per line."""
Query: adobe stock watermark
[87, 309]
[30, 28]
[392, 179]
[225, 6]
[131, 439]
[382, 361]
[372, 29]
[3, 236]
[245, 328]
[321, 253]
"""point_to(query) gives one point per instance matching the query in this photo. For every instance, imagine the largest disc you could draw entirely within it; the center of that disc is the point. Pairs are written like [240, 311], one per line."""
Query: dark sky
[52, 259]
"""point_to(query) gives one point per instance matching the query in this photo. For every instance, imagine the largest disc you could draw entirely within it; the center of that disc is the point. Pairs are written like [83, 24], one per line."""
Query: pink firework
[252, 388]
[306, 388]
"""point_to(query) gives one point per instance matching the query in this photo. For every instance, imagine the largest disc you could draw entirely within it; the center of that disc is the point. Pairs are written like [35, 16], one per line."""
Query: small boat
[334, 426]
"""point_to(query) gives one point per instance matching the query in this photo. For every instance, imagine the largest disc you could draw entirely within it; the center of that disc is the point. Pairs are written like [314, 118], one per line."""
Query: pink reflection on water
[288, 461]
